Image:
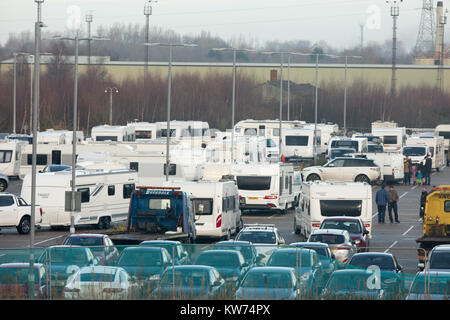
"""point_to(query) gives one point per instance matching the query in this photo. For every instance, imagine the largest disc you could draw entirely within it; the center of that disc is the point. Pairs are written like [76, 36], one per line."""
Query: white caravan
[443, 130]
[51, 136]
[325, 131]
[10, 156]
[393, 138]
[113, 133]
[298, 144]
[434, 146]
[105, 196]
[384, 124]
[320, 200]
[264, 128]
[216, 207]
[144, 131]
[359, 144]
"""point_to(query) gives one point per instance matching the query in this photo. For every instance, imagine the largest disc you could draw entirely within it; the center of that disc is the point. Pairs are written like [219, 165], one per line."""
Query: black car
[248, 250]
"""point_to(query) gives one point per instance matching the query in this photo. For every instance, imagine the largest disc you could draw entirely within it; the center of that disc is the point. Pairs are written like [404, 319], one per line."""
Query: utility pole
[440, 48]
[362, 37]
[315, 109]
[289, 87]
[111, 90]
[89, 18]
[395, 12]
[15, 92]
[148, 10]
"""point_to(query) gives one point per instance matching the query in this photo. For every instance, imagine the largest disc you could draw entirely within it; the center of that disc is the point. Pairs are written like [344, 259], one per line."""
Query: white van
[359, 144]
[434, 146]
[216, 207]
[320, 200]
[298, 144]
[105, 196]
[10, 156]
[113, 133]
[393, 138]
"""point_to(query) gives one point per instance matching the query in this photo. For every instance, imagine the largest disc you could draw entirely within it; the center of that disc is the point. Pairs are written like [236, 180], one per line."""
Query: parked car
[247, 249]
[100, 245]
[190, 282]
[392, 280]
[62, 261]
[326, 257]
[265, 237]
[14, 281]
[146, 264]
[307, 265]
[174, 248]
[433, 285]
[4, 182]
[354, 225]
[339, 242]
[100, 283]
[269, 283]
[439, 259]
[351, 285]
[230, 264]
[348, 169]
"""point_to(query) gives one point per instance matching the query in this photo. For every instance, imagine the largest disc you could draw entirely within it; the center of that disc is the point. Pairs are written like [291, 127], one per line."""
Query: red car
[14, 281]
[358, 233]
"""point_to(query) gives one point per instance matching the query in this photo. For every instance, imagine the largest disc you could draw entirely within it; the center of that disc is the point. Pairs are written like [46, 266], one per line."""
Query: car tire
[104, 223]
[313, 177]
[362, 178]
[3, 185]
[24, 226]
[228, 235]
[296, 229]
[240, 226]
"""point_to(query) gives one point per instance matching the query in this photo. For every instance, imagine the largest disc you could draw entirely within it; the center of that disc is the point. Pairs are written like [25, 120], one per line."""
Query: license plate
[253, 198]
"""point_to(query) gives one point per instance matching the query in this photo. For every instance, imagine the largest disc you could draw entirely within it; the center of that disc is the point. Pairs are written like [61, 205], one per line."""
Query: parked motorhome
[320, 200]
[113, 133]
[144, 131]
[359, 144]
[298, 144]
[325, 131]
[393, 138]
[10, 157]
[264, 128]
[443, 130]
[216, 207]
[434, 146]
[51, 136]
[105, 196]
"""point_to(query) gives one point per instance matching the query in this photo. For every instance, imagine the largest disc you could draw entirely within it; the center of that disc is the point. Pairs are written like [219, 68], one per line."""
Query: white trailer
[394, 138]
[264, 128]
[10, 157]
[216, 207]
[320, 200]
[298, 144]
[113, 133]
[325, 131]
[144, 131]
[434, 146]
[443, 130]
[105, 196]
[51, 136]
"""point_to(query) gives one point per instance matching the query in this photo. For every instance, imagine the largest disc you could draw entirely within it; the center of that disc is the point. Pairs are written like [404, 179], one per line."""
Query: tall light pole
[111, 90]
[148, 10]
[169, 89]
[395, 12]
[345, 92]
[14, 92]
[233, 97]
[89, 18]
[442, 23]
[76, 39]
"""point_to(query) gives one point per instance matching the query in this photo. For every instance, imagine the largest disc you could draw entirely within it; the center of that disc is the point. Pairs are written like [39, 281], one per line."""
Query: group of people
[419, 173]
[385, 198]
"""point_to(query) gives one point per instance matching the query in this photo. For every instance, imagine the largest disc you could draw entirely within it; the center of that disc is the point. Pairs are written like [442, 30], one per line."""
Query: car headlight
[357, 241]
[155, 277]
[305, 276]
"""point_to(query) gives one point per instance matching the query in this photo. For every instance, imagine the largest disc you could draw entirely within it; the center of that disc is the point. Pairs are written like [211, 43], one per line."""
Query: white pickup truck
[15, 212]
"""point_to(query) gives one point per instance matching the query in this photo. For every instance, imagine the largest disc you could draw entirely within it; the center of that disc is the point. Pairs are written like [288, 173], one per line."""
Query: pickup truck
[15, 212]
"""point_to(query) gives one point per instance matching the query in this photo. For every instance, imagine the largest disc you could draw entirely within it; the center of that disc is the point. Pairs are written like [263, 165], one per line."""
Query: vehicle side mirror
[366, 231]
[333, 256]
[400, 268]
[421, 266]
[331, 165]
[217, 283]
[281, 241]
[40, 171]
[245, 265]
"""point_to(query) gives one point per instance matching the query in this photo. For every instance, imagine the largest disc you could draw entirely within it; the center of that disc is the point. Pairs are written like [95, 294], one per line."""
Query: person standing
[407, 170]
[423, 202]
[419, 178]
[414, 172]
[382, 199]
[393, 199]
[428, 169]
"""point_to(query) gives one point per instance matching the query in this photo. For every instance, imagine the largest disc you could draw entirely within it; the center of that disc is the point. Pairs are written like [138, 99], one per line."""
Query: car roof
[434, 273]
[87, 235]
[293, 250]
[352, 158]
[190, 267]
[219, 251]
[20, 265]
[373, 254]
[442, 247]
[309, 244]
[144, 248]
[350, 272]
[160, 242]
[271, 269]
[100, 269]
[343, 218]
[329, 231]
[259, 227]
[67, 246]
[234, 243]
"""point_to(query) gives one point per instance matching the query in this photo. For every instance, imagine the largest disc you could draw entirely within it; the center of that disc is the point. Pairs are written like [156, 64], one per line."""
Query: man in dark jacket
[393, 199]
[382, 199]
[428, 168]
[423, 201]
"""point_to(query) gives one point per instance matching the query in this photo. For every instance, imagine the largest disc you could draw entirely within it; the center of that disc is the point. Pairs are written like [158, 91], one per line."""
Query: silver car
[432, 285]
[439, 259]
[339, 242]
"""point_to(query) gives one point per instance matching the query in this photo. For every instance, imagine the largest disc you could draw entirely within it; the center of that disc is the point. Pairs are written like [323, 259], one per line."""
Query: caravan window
[253, 182]
[141, 134]
[163, 132]
[85, 194]
[390, 139]
[250, 132]
[262, 131]
[41, 159]
[297, 140]
[332, 208]
[134, 166]
[56, 157]
[203, 206]
[344, 144]
[445, 134]
[172, 169]
[5, 156]
[127, 190]
[104, 138]
[111, 190]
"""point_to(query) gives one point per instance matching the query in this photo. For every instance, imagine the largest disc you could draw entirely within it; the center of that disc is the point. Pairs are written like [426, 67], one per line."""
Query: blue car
[247, 249]
[269, 283]
[174, 248]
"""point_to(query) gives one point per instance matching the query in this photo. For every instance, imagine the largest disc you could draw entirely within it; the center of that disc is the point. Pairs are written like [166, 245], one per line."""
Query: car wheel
[362, 178]
[297, 230]
[104, 223]
[313, 177]
[24, 226]
[3, 185]
[240, 226]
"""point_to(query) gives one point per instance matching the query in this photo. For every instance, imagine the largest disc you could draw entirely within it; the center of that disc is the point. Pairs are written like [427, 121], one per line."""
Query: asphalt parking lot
[398, 239]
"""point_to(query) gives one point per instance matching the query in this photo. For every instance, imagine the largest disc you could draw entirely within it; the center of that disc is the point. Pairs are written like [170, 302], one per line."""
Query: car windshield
[94, 243]
[321, 251]
[186, 278]
[67, 256]
[246, 251]
[14, 276]
[290, 259]
[258, 237]
[218, 260]
[363, 261]
[97, 277]
[140, 258]
[268, 280]
[435, 285]
[348, 282]
[414, 151]
[327, 238]
[171, 248]
[440, 260]
[350, 226]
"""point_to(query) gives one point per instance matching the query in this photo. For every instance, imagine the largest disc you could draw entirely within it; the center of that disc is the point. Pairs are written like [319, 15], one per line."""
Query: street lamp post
[345, 92]
[111, 90]
[169, 90]
[77, 39]
[15, 89]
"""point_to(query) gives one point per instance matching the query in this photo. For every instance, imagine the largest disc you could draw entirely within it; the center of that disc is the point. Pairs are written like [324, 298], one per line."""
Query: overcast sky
[335, 21]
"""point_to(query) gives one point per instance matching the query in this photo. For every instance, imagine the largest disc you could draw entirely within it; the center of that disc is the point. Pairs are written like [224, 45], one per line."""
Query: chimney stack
[439, 30]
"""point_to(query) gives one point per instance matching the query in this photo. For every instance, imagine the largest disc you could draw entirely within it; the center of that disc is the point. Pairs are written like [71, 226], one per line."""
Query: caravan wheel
[104, 223]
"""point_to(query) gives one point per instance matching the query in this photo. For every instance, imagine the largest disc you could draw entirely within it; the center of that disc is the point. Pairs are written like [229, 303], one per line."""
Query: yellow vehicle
[436, 222]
